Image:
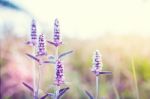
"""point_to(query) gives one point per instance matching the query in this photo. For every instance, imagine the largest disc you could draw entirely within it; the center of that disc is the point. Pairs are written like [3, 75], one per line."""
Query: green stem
[135, 79]
[38, 81]
[57, 91]
[34, 76]
[116, 91]
[56, 58]
[97, 87]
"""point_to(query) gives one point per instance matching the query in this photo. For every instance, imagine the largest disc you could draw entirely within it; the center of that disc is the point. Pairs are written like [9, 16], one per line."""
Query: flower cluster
[56, 59]
[33, 39]
[97, 70]
[97, 63]
[56, 38]
[59, 76]
[41, 46]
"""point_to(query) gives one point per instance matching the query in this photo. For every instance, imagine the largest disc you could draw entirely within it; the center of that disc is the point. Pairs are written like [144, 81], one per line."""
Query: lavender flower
[97, 70]
[33, 39]
[41, 46]
[97, 63]
[59, 76]
[57, 39]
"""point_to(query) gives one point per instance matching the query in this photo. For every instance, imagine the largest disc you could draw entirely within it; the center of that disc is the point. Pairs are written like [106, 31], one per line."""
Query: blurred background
[120, 29]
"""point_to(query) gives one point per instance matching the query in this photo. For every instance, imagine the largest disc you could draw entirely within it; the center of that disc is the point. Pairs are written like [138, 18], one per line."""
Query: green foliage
[143, 68]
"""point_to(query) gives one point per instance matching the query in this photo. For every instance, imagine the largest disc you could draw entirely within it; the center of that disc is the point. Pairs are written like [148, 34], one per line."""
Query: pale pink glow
[19, 69]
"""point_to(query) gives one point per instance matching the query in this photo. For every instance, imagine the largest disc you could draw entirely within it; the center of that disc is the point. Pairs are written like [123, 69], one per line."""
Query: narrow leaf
[50, 94]
[89, 95]
[55, 44]
[46, 95]
[51, 43]
[47, 62]
[51, 57]
[105, 72]
[8, 4]
[31, 56]
[65, 53]
[61, 92]
[28, 86]
[43, 97]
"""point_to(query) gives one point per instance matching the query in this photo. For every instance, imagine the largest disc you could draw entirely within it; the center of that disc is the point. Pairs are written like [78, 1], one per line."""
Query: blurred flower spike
[41, 46]
[59, 76]
[97, 64]
[33, 36]
[56, 38]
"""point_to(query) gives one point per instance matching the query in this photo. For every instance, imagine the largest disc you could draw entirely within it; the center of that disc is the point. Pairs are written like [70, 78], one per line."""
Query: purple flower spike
[56, 38]
[59, 76]
[97, 63]
[33, 39]
[41, 46]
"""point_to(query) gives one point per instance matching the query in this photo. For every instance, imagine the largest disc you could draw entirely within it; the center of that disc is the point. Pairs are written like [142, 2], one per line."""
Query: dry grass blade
[135, 79]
